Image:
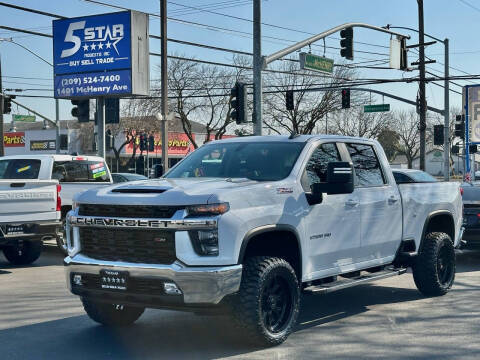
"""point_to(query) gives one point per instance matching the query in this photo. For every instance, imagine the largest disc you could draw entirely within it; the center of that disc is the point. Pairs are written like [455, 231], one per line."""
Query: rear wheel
[24, 252]
[267, 305]
[111, 314]
[434, 268]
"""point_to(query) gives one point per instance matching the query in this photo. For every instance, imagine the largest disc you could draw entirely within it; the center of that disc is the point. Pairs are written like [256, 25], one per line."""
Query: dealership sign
[42, 145]
[14, 139]
[93, 55]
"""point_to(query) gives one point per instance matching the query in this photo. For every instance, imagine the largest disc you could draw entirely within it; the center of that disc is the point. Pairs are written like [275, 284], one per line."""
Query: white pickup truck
[29, 210]
[74, 173]
[245, 225]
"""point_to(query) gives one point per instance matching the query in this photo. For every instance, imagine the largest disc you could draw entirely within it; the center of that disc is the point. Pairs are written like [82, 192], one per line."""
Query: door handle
[392, 200]
[352, 202]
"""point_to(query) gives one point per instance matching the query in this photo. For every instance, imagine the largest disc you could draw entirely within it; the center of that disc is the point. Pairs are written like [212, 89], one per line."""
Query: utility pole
[257, 67]
[446, 102]
[164, 86]
[2, 148]
[423, 125]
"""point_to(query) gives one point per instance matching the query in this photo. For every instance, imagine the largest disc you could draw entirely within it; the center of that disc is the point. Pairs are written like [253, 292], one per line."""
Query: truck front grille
[127, 245]
[130, 211]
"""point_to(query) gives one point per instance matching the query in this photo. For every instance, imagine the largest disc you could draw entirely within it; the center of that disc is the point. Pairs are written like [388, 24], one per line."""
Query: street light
[57, 108]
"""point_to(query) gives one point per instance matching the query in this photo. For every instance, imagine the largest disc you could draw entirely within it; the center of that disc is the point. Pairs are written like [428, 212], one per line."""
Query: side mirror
[339, 180]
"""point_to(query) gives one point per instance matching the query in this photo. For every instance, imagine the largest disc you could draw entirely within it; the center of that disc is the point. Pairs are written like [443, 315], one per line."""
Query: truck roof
[296, 138]
[54, 157]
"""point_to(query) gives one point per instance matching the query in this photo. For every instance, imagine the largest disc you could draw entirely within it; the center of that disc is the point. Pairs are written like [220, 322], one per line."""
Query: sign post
[471, 103]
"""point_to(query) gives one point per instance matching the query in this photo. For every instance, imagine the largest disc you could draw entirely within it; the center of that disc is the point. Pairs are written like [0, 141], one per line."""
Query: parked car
[245, 225]
[30, 209]
[74, 173]
[124, 177]
[406, 176]
[471, 214]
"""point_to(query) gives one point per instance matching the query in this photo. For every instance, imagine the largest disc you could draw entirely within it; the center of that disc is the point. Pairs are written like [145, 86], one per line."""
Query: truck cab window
[368, 171]
[316, 169]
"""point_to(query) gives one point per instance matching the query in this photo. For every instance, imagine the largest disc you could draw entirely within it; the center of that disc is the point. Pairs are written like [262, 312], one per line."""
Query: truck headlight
[208, 210]
[204, 242]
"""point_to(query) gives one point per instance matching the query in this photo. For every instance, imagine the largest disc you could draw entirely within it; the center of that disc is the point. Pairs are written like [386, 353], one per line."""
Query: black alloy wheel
[277, 301]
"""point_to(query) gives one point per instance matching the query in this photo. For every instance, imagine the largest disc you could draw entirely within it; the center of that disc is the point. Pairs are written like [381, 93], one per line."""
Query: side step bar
[346, 283]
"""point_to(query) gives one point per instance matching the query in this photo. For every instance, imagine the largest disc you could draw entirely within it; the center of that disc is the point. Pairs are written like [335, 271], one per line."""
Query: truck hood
[165, 191]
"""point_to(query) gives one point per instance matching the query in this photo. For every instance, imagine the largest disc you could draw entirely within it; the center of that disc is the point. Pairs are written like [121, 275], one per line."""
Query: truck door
[332, 226]
[380, 206]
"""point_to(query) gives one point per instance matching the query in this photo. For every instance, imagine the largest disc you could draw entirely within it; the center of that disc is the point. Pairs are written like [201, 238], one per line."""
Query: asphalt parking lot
[40, 319]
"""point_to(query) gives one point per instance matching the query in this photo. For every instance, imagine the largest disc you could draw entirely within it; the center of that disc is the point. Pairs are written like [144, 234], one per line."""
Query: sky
[453, 19]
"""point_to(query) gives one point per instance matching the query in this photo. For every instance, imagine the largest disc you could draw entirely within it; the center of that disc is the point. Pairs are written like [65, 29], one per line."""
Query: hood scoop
[139, 191]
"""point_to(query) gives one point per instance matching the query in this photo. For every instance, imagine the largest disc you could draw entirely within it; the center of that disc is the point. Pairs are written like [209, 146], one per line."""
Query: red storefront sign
[14, 139]
[178, 144]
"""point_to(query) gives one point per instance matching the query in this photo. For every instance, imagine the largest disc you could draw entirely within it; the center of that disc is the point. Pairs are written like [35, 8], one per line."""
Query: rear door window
[368, 171]
[19, 169]
[80, 171]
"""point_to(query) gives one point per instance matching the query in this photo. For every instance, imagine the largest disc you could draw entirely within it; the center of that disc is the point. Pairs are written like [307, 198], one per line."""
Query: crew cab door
[332, 225]
[380, 205]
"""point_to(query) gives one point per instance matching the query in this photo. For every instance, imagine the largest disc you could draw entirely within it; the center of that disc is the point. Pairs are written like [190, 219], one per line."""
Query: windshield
[262, 161]
[19, 169]
[80, 171]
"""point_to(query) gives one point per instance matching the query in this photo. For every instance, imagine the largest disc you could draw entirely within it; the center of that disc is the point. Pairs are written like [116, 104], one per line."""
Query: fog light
[77, 279]
[171, 289]
[205, 242]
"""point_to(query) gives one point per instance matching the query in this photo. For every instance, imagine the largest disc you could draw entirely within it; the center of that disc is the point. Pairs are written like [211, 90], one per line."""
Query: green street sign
[23, 118]
[316, 63]
[376, 108]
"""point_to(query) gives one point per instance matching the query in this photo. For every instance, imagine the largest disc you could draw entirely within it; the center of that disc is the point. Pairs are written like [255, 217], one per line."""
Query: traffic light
[238, 103]
[151, 143]
[108, 140]
[143, 142]
[460, 126]
[81, 110]
[112, 111]
[346, 43]
[345, 98]
[403, 54]
[438, 135]
[7, 103]
[472, 149]
[289, 100]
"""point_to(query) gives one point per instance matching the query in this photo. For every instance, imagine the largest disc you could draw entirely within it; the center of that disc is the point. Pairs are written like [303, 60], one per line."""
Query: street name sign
[101, 55]
[376, 108]
[316, 63]
[23, 118]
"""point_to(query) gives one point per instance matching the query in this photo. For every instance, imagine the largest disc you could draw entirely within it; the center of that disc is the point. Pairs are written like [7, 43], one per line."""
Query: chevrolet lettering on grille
[141, 223]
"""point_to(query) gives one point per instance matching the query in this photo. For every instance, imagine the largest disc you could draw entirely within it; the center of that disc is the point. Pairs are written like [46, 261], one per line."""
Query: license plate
[14, 229]
[114, 280]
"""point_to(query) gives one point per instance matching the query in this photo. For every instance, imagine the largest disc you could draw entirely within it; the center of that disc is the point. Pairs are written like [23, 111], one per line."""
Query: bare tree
[310, 106]
[355, 122]
[406, 124]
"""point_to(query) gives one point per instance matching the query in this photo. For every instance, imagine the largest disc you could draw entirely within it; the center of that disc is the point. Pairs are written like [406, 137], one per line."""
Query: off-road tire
[23, 254]
[434, 267]
[111, 314]
[260, 274]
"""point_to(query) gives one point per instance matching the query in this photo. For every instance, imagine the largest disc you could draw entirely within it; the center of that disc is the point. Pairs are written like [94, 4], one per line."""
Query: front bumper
[198, 285]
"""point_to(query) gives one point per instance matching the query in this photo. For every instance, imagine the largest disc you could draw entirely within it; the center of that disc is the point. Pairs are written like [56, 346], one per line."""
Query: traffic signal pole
[423, 112]
[446, 115]
[257, 67]
[164, 79]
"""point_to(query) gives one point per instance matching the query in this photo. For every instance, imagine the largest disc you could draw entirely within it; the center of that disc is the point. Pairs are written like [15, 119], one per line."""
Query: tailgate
[28, 200]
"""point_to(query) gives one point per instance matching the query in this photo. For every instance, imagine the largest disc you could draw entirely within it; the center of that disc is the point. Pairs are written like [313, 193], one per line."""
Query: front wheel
[434, 268]
[268, 301]
[111, 314]
[23, 253]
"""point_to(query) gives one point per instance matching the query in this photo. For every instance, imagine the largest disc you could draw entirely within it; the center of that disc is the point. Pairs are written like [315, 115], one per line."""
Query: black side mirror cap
[339, 179]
